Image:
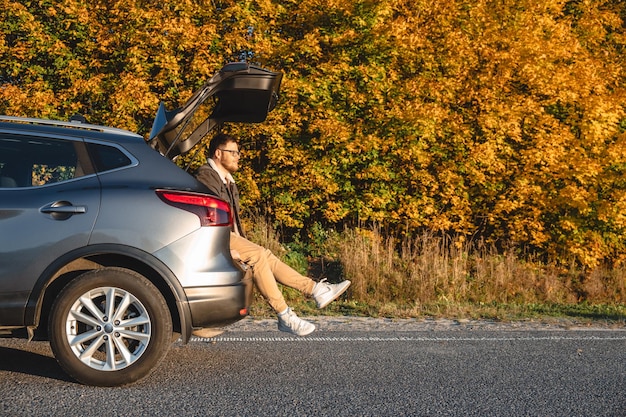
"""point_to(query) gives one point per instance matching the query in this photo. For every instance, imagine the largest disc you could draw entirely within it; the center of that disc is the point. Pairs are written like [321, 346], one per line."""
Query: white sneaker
[324, 293]
[290, 323]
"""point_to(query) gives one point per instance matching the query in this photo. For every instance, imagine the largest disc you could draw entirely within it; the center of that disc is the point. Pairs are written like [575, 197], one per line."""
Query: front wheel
[109, 327]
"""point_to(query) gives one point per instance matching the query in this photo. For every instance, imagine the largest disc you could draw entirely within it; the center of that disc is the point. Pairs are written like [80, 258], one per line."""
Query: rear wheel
[110, 327]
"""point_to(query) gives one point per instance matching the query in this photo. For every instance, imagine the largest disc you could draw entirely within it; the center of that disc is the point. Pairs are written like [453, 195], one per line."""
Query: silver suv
[107, 248]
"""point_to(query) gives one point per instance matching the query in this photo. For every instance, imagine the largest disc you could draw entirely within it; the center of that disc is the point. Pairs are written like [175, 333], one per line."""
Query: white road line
[403, 339]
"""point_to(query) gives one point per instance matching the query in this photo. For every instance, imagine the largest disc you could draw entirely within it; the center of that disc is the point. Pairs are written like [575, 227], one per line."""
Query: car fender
[137, 260]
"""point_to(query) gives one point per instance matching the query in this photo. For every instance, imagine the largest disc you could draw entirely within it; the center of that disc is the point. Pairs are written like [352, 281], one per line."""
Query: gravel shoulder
[344, 323]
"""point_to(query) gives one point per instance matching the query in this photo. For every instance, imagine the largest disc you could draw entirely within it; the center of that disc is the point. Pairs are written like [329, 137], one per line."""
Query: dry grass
[433, 269]
[434, 275]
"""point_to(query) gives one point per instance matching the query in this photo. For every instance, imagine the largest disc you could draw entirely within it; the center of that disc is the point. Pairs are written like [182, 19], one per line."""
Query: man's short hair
[219, 141]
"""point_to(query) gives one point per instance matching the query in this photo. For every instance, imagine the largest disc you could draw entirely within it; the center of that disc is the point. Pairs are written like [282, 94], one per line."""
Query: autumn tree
[503, 120]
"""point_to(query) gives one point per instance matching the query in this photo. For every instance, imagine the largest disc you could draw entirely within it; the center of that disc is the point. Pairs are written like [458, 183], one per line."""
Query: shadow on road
[30, 363]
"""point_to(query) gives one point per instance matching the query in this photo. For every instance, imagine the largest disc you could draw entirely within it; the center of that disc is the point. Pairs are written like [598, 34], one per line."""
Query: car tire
[109, 327]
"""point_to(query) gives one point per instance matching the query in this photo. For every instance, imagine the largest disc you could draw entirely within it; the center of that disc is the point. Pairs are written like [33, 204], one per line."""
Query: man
[222, 161]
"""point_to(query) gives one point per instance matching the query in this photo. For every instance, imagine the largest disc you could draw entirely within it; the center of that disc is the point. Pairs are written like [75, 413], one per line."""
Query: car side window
[37, 161]
[107, 158]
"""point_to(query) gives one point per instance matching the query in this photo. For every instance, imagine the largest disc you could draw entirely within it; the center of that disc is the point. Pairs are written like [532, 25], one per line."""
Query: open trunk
[239, 92]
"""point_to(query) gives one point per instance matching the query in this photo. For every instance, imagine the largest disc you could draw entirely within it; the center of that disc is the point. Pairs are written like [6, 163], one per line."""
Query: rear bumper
[218, 306]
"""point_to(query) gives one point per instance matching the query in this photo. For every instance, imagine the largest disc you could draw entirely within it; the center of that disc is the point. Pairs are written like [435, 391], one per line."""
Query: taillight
[210, 210]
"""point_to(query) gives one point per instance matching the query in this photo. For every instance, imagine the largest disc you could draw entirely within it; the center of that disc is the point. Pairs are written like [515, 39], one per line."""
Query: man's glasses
[233, 152]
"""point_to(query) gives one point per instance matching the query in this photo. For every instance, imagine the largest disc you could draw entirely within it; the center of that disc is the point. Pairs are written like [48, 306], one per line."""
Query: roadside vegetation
[438, 276]
[453, 157]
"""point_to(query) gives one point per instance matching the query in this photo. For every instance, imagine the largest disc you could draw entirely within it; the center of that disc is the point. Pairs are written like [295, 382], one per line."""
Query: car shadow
[29, 363]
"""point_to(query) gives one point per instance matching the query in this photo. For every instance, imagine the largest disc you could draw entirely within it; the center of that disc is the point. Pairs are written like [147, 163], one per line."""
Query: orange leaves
[131, 101]
[37, 100]
[502, 120]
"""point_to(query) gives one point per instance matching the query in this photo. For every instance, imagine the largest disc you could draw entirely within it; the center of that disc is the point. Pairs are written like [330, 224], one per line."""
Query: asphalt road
[346, 368]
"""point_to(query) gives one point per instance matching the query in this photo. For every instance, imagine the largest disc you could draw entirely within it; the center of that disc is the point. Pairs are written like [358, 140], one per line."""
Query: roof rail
[72, 125]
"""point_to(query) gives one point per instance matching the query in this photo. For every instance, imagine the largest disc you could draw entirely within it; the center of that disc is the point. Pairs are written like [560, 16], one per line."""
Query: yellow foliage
[499, 120]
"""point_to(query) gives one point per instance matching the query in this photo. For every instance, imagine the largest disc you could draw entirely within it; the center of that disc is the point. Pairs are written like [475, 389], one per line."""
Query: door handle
[62, 210]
